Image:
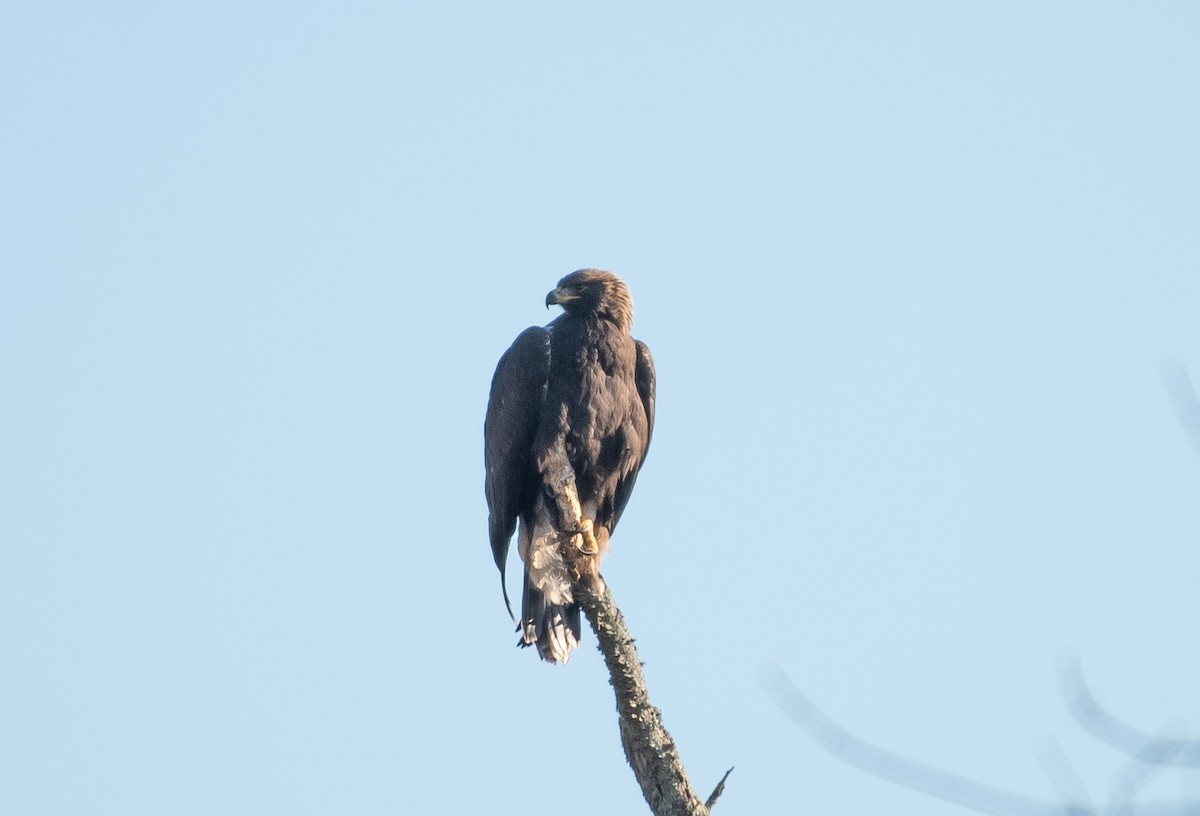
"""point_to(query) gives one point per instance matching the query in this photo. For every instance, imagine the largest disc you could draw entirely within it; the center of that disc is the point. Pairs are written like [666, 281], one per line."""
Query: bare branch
[649, 749]
[1064, 777]
[1183, 398]
[1108, 729]
[1129, 782]
[717, 791]
[952, 787]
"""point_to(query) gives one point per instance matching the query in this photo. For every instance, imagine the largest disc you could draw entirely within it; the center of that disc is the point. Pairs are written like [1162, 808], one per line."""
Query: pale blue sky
[909, 273]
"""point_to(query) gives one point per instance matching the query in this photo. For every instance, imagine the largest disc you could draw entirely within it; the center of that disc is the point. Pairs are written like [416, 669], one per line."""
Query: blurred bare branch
[1064, 777]
[1183, 398]
[943, 784]
[1108, 729]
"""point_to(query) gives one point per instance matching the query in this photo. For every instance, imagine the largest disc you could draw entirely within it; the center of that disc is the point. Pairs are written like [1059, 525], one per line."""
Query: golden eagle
[575, 397]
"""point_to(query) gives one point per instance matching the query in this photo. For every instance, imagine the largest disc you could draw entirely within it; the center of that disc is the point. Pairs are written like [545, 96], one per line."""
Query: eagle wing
[643, 378]
[514, 407]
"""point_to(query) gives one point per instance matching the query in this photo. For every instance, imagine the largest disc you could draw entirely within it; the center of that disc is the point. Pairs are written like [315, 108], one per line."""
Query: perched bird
[571, 402]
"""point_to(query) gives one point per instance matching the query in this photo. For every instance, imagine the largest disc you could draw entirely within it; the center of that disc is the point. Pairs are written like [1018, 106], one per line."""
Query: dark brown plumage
[581, 391]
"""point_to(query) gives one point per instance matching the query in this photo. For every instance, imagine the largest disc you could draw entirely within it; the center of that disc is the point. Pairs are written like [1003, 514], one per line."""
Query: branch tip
[717, 791]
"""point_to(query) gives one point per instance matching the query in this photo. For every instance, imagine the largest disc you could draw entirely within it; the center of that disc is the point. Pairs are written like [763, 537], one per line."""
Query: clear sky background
[910, 273]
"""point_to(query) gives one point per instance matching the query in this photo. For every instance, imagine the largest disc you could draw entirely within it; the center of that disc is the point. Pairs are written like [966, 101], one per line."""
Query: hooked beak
[558, 297]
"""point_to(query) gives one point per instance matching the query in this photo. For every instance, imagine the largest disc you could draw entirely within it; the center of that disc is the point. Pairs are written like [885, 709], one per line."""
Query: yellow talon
[587, 537]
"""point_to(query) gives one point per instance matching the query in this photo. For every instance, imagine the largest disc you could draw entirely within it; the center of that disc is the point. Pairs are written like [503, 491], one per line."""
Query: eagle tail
[552, 627]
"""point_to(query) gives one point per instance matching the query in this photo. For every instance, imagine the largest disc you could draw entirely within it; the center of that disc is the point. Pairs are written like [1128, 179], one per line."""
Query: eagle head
[594, 291]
